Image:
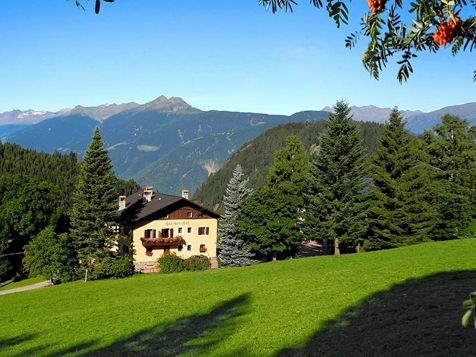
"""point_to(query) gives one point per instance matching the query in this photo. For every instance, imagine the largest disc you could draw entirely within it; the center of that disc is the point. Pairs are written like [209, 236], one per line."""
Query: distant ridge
[25, 117]
[169, 144]
[101, 112]
[375, 114]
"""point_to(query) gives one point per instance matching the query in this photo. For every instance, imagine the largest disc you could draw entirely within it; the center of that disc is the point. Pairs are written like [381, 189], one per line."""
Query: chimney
[147, 194]
[185, 193]
[122, 202]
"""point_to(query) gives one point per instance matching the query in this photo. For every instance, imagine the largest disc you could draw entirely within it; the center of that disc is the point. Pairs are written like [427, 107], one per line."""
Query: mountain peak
[171, 105]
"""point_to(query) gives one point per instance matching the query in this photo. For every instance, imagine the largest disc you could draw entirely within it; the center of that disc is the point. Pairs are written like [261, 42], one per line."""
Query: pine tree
[233, 250]
[398, 215]
[451, 158]
[269, 217]
[336, 207]
[94, 210]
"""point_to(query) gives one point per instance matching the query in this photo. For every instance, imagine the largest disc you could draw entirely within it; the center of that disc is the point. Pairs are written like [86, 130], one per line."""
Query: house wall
[190, 247]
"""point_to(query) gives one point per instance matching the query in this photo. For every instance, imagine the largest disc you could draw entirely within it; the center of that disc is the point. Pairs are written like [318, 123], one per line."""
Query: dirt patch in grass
[421, 317]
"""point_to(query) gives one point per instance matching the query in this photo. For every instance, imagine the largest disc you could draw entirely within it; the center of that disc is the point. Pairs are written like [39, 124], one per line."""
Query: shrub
[170, 263]
[470, 230]
[113, 267]
[196, 262]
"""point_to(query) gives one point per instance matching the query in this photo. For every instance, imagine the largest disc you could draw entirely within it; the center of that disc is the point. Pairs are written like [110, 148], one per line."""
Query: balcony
[161, 242]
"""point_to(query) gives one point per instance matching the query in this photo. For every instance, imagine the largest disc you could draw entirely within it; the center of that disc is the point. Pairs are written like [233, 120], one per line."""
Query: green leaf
[468, 304]
[466, 317]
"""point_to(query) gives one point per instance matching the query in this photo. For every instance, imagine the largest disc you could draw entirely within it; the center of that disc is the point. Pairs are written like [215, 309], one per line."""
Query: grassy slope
[10, 284]
[405, 301]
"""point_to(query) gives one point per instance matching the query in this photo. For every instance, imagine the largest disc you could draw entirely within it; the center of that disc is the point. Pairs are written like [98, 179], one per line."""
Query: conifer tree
[451, 158]
[94, 210]
[233, 250]
[398, 215]
[270, 216]
[336, 207]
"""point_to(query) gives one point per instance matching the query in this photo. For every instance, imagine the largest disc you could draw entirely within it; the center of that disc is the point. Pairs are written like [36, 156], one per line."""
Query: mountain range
[166, 142]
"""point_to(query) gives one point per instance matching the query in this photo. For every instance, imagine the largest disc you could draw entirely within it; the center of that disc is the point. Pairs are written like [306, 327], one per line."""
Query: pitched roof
[137, 208]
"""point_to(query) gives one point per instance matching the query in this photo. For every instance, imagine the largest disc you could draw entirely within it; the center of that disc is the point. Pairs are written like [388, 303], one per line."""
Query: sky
[214, 54]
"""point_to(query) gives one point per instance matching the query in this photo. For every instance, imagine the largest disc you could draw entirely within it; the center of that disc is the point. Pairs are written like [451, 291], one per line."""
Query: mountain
[19, 117]
[168, 105]
[419, 122]
[9, 130]
[375, 114]
[165, 143]
[256, 157]
[101, 112]
[173, 150]
[169, 144]
[63, 134]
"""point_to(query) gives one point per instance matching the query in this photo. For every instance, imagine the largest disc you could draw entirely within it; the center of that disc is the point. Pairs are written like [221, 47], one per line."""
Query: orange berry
[447, 31]
[376, 5]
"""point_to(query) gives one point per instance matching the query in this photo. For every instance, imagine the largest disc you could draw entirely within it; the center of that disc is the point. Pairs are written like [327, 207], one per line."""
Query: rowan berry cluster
[447, 31]
[376, 5]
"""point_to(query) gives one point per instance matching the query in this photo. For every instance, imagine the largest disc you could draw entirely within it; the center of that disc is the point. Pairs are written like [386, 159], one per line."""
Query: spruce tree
[94, 210]
[233, 250]
[336, 207]
[270, 216]
[451, 159]
[398, 214]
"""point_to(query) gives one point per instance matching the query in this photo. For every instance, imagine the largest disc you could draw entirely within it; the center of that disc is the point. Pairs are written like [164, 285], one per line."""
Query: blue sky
[215, 54]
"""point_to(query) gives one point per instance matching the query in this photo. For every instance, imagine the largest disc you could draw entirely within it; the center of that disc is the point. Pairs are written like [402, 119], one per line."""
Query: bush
[470, 230]
[113, 267]
[196, 262]
[170, 263]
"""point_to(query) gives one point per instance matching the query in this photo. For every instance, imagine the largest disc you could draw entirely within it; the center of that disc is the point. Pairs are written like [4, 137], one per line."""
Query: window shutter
[171, 232]
[207, 231]
[154, 233]
[146, 233]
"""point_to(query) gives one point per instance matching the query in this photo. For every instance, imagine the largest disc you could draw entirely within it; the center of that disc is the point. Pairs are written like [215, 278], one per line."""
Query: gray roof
[137, 208]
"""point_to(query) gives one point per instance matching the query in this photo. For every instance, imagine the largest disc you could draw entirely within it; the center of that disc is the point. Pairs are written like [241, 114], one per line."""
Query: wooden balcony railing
[161, 242]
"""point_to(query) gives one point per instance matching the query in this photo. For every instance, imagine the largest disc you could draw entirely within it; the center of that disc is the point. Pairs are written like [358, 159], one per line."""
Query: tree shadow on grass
[191, 335]
[420, 317]
[8, 342]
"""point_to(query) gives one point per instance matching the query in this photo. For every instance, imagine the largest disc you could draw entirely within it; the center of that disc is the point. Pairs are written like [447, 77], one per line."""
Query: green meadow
[401, 302]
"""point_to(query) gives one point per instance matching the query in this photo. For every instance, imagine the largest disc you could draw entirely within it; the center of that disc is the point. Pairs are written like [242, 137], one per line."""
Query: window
[203, 231]
[167, 233]
[189, 214]
[203, 249]
[180, 248]
[150, 233]
[179, 230]
[189, 230]
[189, 247]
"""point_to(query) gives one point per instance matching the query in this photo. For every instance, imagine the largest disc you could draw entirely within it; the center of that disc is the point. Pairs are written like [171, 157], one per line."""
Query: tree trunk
[336, 247]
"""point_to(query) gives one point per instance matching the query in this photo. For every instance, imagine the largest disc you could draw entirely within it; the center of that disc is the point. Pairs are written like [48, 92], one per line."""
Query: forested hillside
[58, 169]
[256, 156]
[36, 191]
